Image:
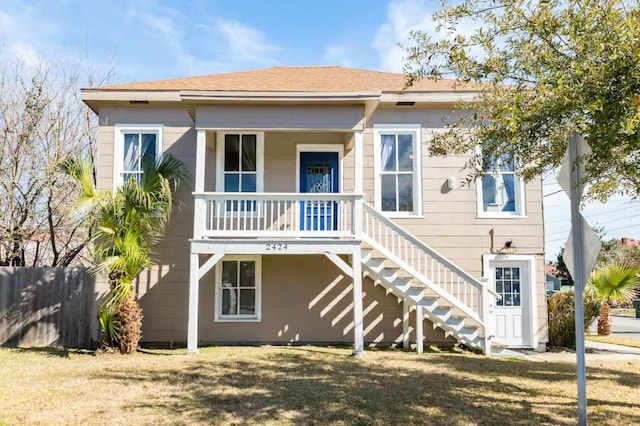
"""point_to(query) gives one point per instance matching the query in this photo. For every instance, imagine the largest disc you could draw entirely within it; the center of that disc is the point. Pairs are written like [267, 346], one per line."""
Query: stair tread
[437, 309]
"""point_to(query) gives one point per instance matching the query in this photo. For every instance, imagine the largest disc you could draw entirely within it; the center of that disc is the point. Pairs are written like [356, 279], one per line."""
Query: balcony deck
[276, 223]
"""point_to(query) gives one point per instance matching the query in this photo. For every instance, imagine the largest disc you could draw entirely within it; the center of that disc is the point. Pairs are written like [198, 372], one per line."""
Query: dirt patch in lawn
[306, 385]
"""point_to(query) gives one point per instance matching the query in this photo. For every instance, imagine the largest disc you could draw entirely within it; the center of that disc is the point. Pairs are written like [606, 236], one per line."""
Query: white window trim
[118, 145]
[220, 158]
[520, 203]
[218, 291]
[416, 131]
[532, 307]
[316, 147]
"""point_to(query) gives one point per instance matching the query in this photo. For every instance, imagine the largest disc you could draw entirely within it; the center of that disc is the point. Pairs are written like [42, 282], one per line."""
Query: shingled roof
[293, 79]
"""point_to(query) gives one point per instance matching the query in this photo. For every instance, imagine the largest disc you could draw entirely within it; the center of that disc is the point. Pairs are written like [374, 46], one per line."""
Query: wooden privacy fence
[46, 306]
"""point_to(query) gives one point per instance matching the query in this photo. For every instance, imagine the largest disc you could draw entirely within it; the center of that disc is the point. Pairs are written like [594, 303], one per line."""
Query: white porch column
[199, 207]
[419, 330]
[358, 329]
[358, 188]
[194, 288]
[405, 323]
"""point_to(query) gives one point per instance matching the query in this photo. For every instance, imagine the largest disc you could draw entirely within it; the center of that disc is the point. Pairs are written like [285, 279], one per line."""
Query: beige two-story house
[315, 214]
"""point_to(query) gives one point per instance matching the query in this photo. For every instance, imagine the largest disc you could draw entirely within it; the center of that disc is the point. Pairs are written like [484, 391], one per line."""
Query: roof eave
[439, 97]
[215, 95]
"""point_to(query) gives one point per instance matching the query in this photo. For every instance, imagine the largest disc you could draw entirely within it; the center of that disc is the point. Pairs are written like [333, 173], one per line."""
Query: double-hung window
[397, 163]
[238, 289]
[133, 147]
[501, 191]
[240, 166]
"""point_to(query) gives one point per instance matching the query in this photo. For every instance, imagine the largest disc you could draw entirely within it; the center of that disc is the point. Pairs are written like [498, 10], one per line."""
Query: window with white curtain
[238, 289]
[398, 190]
[133, 147]
[501, 191]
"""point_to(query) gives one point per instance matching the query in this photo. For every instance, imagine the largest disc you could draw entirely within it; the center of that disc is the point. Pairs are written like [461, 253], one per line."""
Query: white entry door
[513, 310]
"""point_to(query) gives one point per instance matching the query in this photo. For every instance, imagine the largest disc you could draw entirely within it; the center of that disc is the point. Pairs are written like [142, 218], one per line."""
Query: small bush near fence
[562, 317]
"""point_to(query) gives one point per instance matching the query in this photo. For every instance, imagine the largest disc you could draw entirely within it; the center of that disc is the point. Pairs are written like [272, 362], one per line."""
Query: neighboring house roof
[551, 270]
[629, 242]
[318, 79]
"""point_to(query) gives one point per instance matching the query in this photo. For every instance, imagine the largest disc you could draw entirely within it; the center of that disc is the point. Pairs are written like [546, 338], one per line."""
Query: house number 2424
[276, 246]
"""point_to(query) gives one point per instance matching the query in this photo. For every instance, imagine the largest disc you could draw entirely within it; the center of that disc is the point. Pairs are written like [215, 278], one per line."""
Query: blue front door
[319, 174]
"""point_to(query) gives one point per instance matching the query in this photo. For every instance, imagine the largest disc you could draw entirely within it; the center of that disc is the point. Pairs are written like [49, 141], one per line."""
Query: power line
[591, 216]
[553, 193]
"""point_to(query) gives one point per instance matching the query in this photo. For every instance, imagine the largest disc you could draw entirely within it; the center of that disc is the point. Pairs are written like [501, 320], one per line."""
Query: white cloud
[26, 54]
[230, 43]
[403, 16]
[245, 44]
[338, 55]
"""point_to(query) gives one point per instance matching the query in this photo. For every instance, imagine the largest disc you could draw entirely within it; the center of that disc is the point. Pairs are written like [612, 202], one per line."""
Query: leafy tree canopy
[544, 69]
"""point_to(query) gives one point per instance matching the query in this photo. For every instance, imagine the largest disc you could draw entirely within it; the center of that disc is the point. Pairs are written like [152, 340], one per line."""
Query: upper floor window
[397, 163]
[240, 165]
[240, 162]
[134, 146]
[501, 192]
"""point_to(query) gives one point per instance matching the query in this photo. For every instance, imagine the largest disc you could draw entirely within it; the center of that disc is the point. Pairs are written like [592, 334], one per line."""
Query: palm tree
[125, 224]
[617, 282]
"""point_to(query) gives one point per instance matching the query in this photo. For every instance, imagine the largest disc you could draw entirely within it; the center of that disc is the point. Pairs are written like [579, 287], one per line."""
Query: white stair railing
[428, 267]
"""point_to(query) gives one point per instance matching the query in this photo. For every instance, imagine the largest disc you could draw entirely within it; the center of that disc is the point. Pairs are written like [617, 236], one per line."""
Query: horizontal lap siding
[307, 299]
[280, 117]
[449, 223]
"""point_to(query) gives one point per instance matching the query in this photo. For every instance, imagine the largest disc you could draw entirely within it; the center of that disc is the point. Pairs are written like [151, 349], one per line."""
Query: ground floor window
[238, 288]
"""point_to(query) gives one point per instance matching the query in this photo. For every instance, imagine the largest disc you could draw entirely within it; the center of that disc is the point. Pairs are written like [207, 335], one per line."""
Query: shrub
[561, 309]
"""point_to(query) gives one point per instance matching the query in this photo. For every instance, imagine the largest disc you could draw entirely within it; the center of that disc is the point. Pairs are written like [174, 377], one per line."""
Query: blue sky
[151, 39]
[154, 39]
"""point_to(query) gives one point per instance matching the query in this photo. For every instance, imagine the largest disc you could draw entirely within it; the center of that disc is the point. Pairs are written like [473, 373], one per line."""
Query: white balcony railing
[276, 215]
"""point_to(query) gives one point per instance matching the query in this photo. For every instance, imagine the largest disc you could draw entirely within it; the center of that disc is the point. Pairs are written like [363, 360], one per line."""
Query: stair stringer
[441, 315]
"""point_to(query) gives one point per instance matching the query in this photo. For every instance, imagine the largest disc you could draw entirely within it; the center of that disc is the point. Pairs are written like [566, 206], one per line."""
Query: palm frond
[81, 171]
[617, 282]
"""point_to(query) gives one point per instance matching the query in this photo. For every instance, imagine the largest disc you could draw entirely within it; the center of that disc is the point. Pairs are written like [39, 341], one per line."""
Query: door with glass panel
[512, 311]
[319, 175]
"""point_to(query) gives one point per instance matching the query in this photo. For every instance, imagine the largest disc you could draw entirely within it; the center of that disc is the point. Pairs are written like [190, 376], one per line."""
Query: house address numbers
[276, 246]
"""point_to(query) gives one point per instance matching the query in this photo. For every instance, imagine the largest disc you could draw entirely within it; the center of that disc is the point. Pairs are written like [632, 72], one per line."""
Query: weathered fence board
[46, 306]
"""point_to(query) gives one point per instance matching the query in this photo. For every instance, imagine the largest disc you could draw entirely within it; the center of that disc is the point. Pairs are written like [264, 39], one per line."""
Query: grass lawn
[306, 385]
[624, 312]
[616, 340]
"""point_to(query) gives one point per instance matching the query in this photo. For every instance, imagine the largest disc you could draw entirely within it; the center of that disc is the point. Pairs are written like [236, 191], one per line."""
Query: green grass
[306, 385]
[623, 312]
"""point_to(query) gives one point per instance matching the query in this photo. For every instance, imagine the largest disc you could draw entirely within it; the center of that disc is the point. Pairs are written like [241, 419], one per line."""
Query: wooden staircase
[440, 291]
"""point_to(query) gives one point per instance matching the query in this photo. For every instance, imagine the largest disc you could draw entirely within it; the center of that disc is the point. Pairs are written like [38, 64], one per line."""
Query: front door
[319, 174]
[512, 312]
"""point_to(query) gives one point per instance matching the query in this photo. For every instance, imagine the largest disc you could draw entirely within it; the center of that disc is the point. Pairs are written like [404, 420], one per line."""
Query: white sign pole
[579, 277]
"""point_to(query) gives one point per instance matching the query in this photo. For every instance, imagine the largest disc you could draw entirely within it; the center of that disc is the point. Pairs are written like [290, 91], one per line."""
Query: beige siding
[302, 305]
[280, 117]
[449, 224]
